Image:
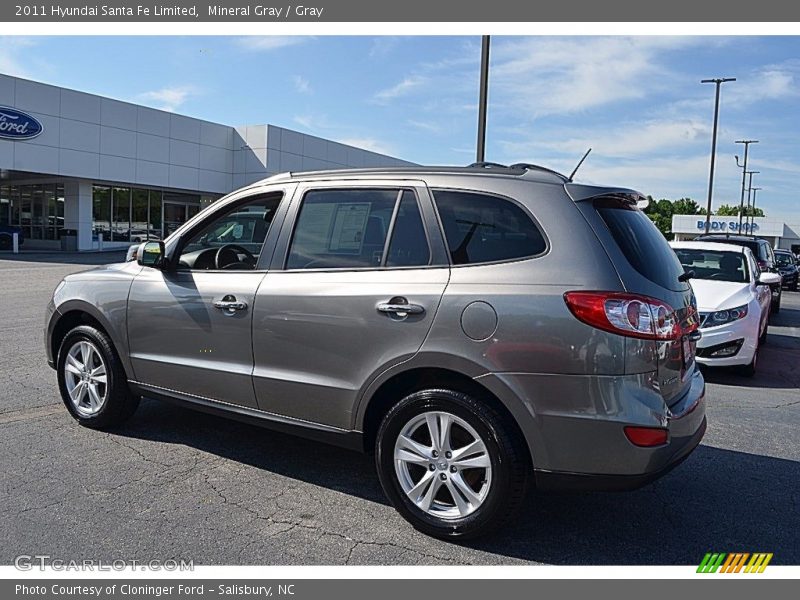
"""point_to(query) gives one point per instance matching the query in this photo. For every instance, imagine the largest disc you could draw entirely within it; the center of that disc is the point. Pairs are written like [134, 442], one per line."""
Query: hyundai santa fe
[481, 330]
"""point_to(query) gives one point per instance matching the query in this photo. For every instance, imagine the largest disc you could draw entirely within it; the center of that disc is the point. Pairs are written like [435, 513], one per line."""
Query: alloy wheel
[443, 465]
[86, 378]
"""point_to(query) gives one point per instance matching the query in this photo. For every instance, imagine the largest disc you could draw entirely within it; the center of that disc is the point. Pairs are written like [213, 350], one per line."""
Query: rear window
[480, 228]
[641, 242]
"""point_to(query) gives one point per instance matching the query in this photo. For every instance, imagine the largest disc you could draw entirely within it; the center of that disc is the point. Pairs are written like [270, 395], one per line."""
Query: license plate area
[687, 351]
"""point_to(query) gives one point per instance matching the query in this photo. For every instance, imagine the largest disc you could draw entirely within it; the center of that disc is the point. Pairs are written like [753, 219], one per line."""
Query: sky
[636, 101]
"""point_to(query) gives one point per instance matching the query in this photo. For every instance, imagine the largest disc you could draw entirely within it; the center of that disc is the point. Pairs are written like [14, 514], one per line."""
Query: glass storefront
[134, 215]
[37, 208]
[120, 214]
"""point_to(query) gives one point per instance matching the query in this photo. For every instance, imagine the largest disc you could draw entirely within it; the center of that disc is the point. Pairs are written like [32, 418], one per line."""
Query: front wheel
[749, 370]
[451, 465]
[92, 381]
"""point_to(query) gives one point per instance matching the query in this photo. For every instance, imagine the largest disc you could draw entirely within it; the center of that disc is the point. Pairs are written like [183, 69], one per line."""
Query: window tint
[717, 265]
[642, 243]
[409, 245]
[243, 229]
[481, 228]
[341, 229]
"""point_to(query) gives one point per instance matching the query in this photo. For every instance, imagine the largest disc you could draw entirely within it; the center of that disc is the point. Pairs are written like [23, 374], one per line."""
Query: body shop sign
[17, 125]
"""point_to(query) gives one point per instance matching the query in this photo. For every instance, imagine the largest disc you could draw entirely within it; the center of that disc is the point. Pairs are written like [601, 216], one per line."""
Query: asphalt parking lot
[178, 484]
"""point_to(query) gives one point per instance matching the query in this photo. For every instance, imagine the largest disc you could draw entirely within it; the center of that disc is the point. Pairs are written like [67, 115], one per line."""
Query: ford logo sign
[17, 125]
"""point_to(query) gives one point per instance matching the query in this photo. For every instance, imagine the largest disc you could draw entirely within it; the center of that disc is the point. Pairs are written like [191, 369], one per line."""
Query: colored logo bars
[734, 562]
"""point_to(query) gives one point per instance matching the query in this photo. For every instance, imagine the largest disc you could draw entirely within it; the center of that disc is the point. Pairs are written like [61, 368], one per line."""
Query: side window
[480, 228]
[756, 269]
[231, 239]
[348, 229]
[409, 244]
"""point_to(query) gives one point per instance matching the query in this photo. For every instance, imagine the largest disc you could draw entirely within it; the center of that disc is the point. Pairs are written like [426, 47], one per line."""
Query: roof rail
[487, 165]
[532, 167]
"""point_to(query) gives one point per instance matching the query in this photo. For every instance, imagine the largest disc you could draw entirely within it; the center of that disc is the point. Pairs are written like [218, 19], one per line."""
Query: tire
[497, 491]
[750, 369]
[5, 242]
[776, 305]
[793, 287]
[112, 403]
[762, 339]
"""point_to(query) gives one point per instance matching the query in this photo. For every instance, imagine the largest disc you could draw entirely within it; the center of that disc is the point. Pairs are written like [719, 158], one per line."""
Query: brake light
[631, 315]
[646, 437]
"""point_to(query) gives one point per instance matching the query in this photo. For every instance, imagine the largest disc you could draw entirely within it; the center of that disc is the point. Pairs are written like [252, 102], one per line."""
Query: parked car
[413, 313]
[7, 236]
[733, 297]
[763, 253]
[789, 268]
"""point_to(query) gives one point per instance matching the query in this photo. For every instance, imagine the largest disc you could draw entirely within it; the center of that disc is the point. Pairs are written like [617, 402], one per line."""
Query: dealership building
[84, 172]
[776, 231]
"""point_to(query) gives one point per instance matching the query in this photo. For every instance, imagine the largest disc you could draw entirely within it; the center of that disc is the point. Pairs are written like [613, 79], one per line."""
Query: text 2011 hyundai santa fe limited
[481, 330]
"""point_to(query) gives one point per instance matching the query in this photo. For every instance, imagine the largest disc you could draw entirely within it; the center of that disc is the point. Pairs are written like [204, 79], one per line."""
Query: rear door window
[641, 242]
[349, 229]
[480, 228]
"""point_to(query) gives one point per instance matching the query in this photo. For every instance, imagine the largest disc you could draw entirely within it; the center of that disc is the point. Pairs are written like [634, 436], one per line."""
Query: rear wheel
[793, 287]
[92, 381]
[5, 242]
[452, 466]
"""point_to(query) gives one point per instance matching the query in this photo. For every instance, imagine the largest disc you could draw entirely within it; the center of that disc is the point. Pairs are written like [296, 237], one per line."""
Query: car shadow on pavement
[718, 500]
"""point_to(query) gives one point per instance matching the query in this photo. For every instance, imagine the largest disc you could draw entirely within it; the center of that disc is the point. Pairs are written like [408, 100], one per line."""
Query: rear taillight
[631, 315]
[646, 437]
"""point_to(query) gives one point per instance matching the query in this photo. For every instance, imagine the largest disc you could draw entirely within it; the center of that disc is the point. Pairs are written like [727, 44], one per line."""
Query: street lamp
[749, 191]
[718, 81]
[482, 103]
[753, 213]
[744, 172]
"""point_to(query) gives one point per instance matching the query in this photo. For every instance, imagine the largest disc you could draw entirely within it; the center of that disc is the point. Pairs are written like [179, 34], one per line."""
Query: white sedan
[733, 299]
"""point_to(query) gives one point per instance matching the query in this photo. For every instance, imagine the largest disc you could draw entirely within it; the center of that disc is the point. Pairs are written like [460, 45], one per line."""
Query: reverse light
[631, 315]
[646, 437]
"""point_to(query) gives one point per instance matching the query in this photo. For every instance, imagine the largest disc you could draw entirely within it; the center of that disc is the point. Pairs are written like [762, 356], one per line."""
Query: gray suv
[481, 330]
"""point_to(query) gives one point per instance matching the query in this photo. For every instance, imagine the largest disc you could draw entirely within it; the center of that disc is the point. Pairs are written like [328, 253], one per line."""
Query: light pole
[749, 191]
[718, 81]
[482, 103]
[744, 174]
[753, 213]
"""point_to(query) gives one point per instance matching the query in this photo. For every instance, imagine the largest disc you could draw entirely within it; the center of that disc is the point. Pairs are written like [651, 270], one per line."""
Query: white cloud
[301, 84]
[550, 76]
[425, 126]
[12, 55]
[168, 98]
[368, 143]
[401, 89]
[258, 43]
[770, 82]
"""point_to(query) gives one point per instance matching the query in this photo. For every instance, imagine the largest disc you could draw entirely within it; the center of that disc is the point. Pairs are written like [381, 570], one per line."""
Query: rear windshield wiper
[687, 275]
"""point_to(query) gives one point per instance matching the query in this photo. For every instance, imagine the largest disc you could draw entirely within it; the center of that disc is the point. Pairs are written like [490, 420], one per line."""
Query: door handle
[229, 304]
[400, 307]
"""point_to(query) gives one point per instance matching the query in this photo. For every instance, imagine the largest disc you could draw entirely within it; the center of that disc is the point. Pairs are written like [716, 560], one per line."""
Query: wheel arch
[74, 313]
[391, 388]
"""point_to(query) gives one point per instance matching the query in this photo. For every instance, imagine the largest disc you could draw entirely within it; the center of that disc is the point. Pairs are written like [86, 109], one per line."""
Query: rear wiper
[687, 275]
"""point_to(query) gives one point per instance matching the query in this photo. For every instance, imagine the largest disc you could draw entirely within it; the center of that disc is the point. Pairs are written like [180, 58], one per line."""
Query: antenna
[578, 166]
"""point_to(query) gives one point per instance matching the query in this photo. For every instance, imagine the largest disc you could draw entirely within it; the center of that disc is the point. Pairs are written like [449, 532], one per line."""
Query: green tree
[661, 211]
[726, 210]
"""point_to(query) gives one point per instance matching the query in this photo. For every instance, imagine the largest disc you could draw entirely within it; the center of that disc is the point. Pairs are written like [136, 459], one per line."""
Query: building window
[154, 231]
[121, 226]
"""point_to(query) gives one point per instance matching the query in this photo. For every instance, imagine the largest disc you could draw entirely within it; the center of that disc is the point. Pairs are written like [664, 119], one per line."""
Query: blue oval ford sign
[17, 125]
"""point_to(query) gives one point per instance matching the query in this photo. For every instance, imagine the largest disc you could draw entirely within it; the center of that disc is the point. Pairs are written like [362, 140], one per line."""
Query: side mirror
[151, 254]
[769, 278]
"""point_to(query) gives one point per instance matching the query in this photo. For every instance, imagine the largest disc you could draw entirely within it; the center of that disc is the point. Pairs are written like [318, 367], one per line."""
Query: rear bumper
[557, 481]
[574, 426]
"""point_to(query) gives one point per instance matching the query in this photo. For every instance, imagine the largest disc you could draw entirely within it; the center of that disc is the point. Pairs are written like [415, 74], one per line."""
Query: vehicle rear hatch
[647, 266]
